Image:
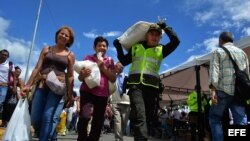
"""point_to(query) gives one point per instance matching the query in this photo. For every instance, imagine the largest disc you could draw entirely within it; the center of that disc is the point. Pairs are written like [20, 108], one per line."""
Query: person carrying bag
[60, 60]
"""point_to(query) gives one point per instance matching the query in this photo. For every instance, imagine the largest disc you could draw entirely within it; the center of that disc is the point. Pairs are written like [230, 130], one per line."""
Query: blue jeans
[56, 119]
[44, 105]
[3, 93]
[225, 101]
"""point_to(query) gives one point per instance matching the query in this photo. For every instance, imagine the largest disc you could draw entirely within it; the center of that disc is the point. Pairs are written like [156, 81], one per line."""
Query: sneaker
[62, 133]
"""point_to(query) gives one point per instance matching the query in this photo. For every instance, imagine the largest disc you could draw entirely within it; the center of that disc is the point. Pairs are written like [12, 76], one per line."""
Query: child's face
[101, 47]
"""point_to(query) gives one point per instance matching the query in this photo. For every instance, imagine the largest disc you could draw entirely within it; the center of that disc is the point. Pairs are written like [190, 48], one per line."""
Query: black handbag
[9, 105]
[12, 100]
[242, 81]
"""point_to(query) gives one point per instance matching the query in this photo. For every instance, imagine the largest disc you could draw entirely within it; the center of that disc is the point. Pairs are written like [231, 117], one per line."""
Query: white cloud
[92, 34]
[215, 33]
[165, 65]
[211, 44]
[195, 47]
[89, 35]
[4, 25]
[192, 57]
[238, 9]
[18, 48]
[203, 17]
[112, 34]
[246, 31]
[222, 13]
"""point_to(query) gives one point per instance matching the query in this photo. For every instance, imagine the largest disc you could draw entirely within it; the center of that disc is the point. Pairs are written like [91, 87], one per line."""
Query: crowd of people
[135, 103]
[10, 85]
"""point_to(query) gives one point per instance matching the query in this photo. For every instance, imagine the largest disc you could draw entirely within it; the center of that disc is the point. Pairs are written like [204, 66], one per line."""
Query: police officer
[194, 115]
[145, 58]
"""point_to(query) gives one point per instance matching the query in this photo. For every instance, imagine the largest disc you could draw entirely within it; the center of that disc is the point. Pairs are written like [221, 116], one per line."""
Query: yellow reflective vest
[145, 65]
[193, 104]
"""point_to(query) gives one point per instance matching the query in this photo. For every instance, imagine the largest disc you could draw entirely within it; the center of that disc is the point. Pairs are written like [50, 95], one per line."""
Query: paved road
[110, 137]
[104, 137]
[72, 136]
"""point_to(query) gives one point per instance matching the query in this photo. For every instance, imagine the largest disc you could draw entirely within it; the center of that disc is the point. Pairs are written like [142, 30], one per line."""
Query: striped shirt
[221, 73]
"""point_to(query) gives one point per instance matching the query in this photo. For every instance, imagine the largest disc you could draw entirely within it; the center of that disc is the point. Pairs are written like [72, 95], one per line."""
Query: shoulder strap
[231, 58]
[50, 49]
[69, 53]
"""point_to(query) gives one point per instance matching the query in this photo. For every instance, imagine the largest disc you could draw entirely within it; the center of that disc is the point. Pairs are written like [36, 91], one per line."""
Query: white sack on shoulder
[95, 77]
[134, 34]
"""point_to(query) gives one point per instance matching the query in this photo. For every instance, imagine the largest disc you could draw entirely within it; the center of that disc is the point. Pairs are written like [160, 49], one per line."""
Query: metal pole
[33, 41]
[200, 120]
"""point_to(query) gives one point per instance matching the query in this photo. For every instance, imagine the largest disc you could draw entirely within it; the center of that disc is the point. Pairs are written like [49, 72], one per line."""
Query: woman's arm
[38, 67]
[35, 71]
[70, 74]
[70, 80]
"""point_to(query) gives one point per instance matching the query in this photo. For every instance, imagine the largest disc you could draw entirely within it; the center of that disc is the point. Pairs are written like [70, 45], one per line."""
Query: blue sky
[196, 22]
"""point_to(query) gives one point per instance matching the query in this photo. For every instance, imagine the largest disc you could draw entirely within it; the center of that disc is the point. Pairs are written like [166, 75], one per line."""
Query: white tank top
[4, 72]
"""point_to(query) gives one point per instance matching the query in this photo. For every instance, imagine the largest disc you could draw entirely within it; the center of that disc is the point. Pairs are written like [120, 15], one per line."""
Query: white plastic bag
[95, 77]
[19, 127]
[134, 34]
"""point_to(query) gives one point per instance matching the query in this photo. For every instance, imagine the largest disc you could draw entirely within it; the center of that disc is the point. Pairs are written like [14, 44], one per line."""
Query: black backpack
[242, 81]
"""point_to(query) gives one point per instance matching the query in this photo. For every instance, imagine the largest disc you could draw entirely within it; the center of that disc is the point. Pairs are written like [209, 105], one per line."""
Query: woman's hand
[85, 72]
[69, 101]
[25, 91]
[214, 98]
[101, 65]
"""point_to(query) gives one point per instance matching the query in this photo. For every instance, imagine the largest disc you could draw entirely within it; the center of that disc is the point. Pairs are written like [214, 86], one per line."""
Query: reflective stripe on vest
[145, 61]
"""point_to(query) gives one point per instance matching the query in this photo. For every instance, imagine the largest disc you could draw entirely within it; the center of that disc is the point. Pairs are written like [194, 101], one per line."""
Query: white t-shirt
[177, 114]
[4, 72]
